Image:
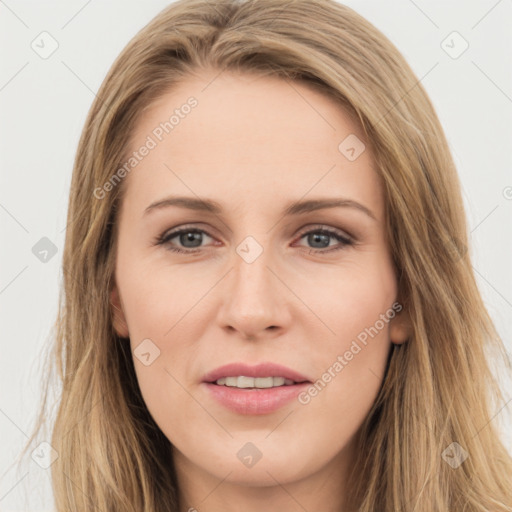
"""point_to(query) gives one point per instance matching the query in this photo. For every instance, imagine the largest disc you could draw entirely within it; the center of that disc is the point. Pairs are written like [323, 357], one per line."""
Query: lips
[261, 370]
[253, 401]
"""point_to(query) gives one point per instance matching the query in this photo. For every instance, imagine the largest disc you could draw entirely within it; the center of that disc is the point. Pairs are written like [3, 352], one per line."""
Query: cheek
[165, 315]
[156, 299]
[353, 302]
[357, 308]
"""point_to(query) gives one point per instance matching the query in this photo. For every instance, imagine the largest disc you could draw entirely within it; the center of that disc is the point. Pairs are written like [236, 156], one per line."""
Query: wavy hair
[439, 386]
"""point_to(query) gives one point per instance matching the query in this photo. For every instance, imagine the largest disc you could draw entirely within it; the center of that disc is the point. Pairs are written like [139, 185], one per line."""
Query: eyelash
[165, 238]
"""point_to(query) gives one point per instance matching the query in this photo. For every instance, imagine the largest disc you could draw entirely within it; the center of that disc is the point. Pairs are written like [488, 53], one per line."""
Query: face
[253, 281]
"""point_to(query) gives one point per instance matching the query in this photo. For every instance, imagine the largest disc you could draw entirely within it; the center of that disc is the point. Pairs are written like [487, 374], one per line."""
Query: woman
[322, 343]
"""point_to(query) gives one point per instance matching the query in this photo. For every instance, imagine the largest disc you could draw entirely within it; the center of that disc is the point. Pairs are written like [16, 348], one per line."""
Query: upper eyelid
[171, 233]
[176, 231]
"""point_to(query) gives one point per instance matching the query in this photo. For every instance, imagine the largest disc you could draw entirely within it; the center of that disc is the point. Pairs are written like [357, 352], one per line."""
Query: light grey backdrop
[55, 56]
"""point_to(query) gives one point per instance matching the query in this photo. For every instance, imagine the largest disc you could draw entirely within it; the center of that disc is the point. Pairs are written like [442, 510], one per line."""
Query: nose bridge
[251, 275]
[254, 299]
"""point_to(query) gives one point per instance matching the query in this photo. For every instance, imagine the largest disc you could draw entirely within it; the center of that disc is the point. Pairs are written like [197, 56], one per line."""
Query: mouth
[260, 389]
[244, 382]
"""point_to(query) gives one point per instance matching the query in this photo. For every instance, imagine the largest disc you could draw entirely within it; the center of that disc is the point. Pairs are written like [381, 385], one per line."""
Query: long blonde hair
[439, 387]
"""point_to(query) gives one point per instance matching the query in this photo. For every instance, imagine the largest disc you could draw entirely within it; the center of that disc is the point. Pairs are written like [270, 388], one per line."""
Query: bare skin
[254, 145]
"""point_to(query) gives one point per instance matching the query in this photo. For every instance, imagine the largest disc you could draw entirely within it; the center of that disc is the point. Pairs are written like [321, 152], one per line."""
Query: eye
[319, 237]
[186, 236]
[191, 239]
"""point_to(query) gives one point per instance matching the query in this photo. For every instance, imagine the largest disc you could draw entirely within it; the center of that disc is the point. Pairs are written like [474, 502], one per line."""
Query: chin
[248, 465]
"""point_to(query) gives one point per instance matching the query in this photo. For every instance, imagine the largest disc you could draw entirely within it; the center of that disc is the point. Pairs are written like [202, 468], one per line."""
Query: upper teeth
[254, 382]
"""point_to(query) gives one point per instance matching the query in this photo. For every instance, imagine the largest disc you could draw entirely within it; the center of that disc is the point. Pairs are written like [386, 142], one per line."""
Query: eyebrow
[295, 208]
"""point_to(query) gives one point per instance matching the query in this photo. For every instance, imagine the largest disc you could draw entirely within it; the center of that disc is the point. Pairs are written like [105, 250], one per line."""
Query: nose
[255, 304]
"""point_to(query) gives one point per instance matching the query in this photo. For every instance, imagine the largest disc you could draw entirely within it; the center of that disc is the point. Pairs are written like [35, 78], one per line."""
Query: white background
[44, 103]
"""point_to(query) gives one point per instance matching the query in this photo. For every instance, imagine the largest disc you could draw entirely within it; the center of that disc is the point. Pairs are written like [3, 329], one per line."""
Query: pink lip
[260, 370]
[254, 401]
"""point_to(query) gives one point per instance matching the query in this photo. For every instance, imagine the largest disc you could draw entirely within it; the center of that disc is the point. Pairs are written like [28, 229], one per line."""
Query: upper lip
[266, 369]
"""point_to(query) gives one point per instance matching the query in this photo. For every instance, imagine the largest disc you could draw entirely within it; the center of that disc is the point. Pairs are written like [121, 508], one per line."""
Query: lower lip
[255, 401]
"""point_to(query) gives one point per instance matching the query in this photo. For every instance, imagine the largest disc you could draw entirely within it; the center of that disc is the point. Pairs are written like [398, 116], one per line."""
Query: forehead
[231, 134]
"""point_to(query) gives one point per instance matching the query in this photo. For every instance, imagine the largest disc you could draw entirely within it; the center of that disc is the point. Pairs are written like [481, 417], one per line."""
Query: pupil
[191, 236]
[317, 237]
